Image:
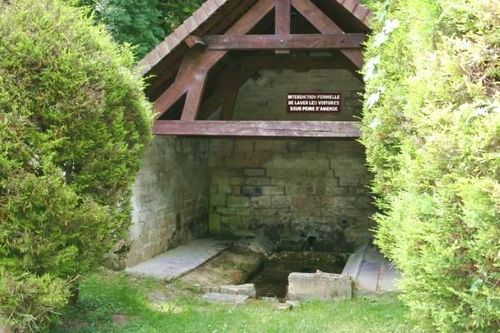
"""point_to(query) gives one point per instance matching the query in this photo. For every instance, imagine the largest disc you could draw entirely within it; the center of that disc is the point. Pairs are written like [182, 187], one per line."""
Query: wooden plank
[282, 17]
[194, 97]
[284, 42]
[208, 59]
[325, 25]
[292, 129]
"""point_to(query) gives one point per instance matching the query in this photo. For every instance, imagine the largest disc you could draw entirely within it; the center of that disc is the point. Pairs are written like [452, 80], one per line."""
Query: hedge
[73, 126]
[431, 127]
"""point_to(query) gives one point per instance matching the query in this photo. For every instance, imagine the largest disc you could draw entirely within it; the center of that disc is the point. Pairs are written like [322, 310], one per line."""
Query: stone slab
[241, 289]
[225, 298]
[371, 272]
[319, 285]
[179, 261]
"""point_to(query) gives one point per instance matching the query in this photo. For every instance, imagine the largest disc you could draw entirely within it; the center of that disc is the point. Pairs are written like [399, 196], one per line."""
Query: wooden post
[282, 18]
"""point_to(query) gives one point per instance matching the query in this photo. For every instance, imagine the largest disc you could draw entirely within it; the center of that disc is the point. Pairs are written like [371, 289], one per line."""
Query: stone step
[179, 261]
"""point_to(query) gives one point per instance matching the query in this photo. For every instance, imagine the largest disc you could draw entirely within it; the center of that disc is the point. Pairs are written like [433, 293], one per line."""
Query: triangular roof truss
[206, 51]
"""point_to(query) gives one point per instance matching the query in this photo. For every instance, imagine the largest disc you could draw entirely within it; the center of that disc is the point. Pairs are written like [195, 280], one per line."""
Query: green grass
[150, 306]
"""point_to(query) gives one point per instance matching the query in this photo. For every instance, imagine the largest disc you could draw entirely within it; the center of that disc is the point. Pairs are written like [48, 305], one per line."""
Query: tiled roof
[208, 10]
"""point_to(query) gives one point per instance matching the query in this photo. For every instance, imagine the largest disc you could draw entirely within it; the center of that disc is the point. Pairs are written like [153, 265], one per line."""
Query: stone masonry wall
[291, 191]
[170, 197]
[265, 97]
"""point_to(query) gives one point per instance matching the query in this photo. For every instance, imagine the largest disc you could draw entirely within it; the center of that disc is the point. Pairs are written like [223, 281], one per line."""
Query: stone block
[281, 201]
[319, 285]
[260, 202]
[218, 199]
[243, 161]
[221, 147]
[263, 145]
[237, 201]
[214, 223]
[225, 298]
[279, 145]
[258, 181]
[241, 289]
[254, 172]
[273, 190]
[237, 180]
[235, 189]
[252, 191]
[244, 145]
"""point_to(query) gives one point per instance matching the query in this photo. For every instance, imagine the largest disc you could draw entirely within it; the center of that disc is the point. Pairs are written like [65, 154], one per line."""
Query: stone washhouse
[242, 144]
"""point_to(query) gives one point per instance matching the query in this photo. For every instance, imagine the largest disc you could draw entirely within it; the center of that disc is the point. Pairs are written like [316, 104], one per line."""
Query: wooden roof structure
[203, 63]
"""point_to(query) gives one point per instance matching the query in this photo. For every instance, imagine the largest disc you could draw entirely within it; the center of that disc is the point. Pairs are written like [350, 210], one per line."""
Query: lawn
[112, 302]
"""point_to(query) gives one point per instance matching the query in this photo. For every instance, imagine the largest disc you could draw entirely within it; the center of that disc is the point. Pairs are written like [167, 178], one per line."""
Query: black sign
[313, 102]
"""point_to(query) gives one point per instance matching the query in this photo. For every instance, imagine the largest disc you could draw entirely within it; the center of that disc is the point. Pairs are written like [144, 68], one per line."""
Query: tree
[73, 125]
[431, 128]
[137, 22]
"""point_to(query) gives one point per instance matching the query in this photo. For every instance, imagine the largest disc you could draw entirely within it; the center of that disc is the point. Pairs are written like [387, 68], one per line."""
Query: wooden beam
[284, 129]
[208, 59]
[325, 25]
[284, 42]
[193, 41]
[282, 17]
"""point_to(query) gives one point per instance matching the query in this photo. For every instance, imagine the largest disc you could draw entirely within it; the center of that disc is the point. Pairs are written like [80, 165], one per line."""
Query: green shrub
[73, 125]
[432, 131]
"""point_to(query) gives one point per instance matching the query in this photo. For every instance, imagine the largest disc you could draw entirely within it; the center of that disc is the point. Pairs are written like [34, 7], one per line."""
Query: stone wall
[291, 191]
[170, 197]
[265, 97]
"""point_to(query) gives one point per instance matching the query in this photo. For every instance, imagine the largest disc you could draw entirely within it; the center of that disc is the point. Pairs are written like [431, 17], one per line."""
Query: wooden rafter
[310, 129]
[325, 25]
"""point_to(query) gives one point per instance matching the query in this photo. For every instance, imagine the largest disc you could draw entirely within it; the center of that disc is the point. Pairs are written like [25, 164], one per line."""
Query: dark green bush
[73, 124]
[432, 132]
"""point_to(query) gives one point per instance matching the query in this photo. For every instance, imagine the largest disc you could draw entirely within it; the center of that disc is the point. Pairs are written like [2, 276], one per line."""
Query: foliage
[175, 12]
[73, 124]
[432, 128]
[115, 303]
[137, 22]
[141, 23]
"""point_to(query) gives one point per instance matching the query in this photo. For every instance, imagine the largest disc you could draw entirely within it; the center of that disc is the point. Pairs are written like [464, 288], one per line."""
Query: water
[272, 278]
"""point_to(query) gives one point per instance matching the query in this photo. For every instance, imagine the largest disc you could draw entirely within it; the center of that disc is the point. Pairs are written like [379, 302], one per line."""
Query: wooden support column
[283, 15]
